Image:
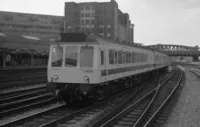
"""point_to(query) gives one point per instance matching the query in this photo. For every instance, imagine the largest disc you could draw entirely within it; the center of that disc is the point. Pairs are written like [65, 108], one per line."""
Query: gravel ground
[186, 112]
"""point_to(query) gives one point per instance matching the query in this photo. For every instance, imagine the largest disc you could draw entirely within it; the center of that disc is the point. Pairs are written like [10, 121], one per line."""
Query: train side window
[115, 57]
[124, 57]
[111, 57]
[146, 57]
[142, 57]
[102, 57]
[119, 57]
[127, 58]
[132, 58]
[86, 56]
[137, 57]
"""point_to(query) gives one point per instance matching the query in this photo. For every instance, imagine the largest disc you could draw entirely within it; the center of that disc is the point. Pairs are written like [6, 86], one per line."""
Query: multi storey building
[99, 18]
[23, 23]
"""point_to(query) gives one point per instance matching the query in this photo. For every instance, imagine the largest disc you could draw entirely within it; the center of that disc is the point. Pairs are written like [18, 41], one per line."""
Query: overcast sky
[156, 21]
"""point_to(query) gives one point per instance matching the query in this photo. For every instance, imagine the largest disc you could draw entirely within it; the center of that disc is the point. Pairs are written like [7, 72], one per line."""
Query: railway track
[146, 108]
[20, 91]
[20, 103]
[195, 71]
[60, 114]
[90, 115]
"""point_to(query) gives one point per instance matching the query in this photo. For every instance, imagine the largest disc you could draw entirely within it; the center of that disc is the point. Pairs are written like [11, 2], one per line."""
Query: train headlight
[86, 78]
[55, 77]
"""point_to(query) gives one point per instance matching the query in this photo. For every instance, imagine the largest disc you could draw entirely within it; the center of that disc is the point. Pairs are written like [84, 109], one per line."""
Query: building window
[82, 22]
[87, 7]
[92, 14]
[82, 14]
[108, 30]
[87, 22]
[87, 15]
[92, 21]
[100, 30]
[92, 7]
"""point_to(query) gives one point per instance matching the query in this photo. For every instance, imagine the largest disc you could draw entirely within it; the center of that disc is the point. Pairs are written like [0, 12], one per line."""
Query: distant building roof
[21, 42]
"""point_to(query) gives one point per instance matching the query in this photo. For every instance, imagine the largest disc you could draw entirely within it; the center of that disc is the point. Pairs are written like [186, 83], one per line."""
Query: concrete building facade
[100, 18]
[46, 25]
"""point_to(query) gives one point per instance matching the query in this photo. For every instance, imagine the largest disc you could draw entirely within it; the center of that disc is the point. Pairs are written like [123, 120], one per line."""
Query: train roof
[82, 38]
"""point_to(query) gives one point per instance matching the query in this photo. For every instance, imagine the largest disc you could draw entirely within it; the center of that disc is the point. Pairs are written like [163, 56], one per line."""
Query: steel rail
[22, 83]
[53, 122]
[13, 93]
[109, 116]
[22, 95]
[156, 114]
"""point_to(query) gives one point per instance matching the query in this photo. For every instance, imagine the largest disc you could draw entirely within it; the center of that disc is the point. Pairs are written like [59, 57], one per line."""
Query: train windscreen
[57, 54]
[71, 53]
[86, 57]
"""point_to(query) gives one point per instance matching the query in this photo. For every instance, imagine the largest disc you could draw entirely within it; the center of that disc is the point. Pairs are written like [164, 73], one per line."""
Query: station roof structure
[24, 43]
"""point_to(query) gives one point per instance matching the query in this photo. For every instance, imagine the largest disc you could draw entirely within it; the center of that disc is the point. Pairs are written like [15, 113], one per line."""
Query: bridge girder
[177, 50]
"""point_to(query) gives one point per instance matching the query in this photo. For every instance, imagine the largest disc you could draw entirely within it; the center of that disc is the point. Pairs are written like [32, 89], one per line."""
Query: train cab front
[71, 70]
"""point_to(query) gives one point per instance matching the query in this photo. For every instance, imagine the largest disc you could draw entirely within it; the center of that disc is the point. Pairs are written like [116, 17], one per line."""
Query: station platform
[186, 112]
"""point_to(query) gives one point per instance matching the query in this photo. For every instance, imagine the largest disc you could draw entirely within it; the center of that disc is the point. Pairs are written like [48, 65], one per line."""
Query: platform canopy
[24, 43]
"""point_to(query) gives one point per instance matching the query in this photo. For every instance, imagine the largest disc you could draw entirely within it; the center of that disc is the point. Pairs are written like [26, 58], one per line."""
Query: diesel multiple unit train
[83, 66]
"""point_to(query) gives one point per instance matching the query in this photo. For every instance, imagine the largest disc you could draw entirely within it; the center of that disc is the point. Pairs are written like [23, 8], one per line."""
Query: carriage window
[102, 57]
[127, 58]
[86, 57]
[57, 54]
[71, 56]
[136, 57]
[111, 57]
[132, 57]
[115, 57]
[124, 57]
[119, 57]
[142, 57]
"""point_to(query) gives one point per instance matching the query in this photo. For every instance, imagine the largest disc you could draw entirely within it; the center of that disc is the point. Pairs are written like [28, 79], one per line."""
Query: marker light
[86, 77]
[55, 77]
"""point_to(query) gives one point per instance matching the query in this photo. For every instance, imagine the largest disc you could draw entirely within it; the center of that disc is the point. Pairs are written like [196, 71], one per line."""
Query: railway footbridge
[178, 50]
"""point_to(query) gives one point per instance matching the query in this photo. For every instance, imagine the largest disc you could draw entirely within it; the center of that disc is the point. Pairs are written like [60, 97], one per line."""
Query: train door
[103, 63]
